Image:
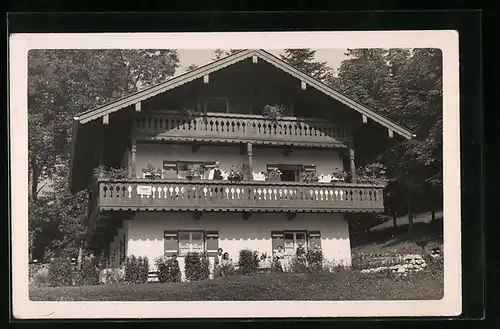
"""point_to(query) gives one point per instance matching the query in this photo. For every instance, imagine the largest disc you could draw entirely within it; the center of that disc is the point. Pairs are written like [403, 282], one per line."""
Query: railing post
[250, 161]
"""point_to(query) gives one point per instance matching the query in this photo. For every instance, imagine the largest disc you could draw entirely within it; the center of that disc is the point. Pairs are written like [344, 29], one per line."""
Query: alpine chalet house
[173, 147]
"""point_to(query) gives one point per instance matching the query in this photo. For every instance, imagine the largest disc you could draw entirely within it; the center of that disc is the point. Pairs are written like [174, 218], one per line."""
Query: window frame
[295, 244]
[207, 164]
[203, 243]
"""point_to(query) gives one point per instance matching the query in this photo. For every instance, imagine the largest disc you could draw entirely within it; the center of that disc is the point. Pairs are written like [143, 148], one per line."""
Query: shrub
[314, 257]
[196, 266]
[136, 269]
[166, 272]
[89, 274]
[298, 264]
[248, 261]
[61, 272]
[273, 113]
[38, 275]
[112, 276]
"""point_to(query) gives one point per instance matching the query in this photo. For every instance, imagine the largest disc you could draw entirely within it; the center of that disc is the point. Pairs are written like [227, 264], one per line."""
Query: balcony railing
[204, 195]
[223, 126]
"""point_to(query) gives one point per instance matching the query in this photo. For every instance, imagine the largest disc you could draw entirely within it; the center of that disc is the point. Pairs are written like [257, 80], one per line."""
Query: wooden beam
[291, 215]
[352, 165]
[303, 85]
[391, 133]
[255, 59]
[250, 161]
[138, 106]
[365, 119]
[206, 78]
[105, 119]
[246, 215]
[133, 150]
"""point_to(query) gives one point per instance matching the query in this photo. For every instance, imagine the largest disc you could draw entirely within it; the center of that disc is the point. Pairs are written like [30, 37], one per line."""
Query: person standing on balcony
[217, 172]
[217, 263]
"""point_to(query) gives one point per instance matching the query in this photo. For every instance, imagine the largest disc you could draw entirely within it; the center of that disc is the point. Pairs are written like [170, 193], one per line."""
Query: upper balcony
[240, 128]
[245, 196]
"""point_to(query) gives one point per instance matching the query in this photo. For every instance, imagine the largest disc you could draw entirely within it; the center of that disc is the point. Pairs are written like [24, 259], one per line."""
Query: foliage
[151, 172]
[220, 53]
[89, 272]
[309, 177]
[374, 173]
[195, 171]
[136, 269]
[237, 173]
[191, 67]
[303, 60]
[104, 172]
[196, 266]
[248, 261]
[61, 272]
[273, 175]
[61, 84]
[113, 276]
[273, 113]
[166, 271]
[340, 175]
[314, 257]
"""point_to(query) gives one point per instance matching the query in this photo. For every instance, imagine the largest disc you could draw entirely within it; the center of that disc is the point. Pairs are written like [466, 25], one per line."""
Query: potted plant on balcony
[273, 175]
[195, 171]
[273, 113]
[309, 177]
[237, 173]
[339, 175]
[151, 172]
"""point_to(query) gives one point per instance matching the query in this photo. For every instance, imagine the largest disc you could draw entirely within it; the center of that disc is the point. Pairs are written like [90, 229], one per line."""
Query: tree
[303, 60]
[191, 67]
[61, 84]
[219, 53]
[406, 86]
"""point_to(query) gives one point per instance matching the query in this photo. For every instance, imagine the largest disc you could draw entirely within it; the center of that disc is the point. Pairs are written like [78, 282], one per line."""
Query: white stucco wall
[326, 161]
[145, 232]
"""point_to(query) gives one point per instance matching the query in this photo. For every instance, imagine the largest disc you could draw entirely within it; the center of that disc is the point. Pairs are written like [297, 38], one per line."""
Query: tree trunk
[409, 210]
[34, 179]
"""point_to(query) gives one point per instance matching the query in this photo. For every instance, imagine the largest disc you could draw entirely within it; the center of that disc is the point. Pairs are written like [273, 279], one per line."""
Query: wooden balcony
[237, 128]
[254, 196]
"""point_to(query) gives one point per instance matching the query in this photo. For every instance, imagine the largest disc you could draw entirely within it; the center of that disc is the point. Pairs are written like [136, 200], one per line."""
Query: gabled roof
[229, 60]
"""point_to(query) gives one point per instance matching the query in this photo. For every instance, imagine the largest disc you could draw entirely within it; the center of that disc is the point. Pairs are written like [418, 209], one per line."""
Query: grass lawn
[349, 285]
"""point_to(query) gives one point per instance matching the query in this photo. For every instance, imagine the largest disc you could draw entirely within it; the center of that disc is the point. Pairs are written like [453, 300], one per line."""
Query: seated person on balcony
[279, 258]
[175, 271]
[217, 263]
[226, 265]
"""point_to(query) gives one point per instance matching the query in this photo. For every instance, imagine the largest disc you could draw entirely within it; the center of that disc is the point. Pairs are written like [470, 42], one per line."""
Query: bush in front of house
[196, 266]
[314, 258]
[61, 272]
[136, 269]
[89, 273]
[166, 272]
[248, 261]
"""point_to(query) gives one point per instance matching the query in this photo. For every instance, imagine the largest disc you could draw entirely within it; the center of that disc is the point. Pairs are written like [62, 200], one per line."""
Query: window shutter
[277, 239]
[212, 238]
[309, 167]
[315, 238]
[170, 243]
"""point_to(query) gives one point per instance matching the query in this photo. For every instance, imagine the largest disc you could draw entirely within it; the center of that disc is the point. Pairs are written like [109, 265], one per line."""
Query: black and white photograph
[158, 169]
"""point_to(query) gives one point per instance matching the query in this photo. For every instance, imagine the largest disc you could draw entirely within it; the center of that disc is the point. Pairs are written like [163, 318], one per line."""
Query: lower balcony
[246, 196]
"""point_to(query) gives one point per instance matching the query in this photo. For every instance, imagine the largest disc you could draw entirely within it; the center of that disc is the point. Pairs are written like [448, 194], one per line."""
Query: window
[218, 105]
[291, 172]
[180, 169]
[292, 240]
[183, 242]
[191, 242]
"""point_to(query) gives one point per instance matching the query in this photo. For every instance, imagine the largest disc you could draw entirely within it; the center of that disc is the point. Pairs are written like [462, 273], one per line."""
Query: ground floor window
[182, 242]
[291, 240]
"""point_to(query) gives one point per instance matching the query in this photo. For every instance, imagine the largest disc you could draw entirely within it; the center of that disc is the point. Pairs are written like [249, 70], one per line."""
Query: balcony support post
[250, 161]
[352, 165]
[133, 149]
